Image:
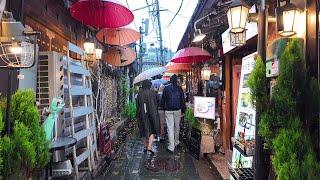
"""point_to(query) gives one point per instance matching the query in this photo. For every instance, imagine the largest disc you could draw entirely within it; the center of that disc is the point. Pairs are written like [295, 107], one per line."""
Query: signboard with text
[204, 107]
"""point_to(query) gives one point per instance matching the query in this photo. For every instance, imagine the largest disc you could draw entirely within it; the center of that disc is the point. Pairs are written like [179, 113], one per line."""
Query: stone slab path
[131, 162]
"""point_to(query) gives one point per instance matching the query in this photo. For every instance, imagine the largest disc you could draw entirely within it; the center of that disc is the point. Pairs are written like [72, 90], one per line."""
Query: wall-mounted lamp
[98, 54]
[15, 48]
[237, 39]
[89, 47]
[198, 36]
[289, 14]
[205, 72]
[238, 13]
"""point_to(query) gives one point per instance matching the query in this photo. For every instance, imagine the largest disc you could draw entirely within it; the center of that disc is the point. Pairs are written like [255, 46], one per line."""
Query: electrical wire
[133, 21]
[176, 13]
[179, 14]
[151, 16]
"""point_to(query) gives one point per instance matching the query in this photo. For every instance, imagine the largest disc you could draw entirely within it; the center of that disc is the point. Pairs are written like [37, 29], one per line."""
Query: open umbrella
[178, 67]
[148, 74]
[101, 13]
[119, 56]
[118, 36]
[157, 82]
[191, 55]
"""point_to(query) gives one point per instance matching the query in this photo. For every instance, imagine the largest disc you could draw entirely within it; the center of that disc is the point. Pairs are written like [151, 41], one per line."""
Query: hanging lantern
[237, 16]
[98, 54]
[205, 73]
[237, 39]
[290, 14]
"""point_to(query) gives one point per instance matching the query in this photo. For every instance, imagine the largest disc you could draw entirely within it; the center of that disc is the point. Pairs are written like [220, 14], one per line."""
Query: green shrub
[189, 117]
[294, 158]
[26, 149]
[130, 110]
[294, 97]
[257, 82]
[1, 127]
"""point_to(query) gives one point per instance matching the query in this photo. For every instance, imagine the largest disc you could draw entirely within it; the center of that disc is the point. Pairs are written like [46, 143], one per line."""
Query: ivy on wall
[281, 115]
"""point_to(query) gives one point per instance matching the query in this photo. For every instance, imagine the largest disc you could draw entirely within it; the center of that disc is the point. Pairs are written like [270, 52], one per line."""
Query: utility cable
[176, 13]
[133, 21]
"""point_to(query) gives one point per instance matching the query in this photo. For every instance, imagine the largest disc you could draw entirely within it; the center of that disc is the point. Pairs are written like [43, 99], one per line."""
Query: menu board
[245, 118]
[204, 107]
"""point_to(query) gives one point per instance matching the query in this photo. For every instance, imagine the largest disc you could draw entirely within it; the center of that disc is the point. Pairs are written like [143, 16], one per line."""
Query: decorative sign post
[204, 107]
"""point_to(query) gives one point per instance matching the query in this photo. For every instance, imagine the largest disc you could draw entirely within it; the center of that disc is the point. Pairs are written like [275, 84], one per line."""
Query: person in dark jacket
[147, 114]
[174, 106]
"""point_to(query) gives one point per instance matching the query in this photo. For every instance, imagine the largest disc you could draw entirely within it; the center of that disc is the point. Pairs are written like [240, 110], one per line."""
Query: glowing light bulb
[15, 48]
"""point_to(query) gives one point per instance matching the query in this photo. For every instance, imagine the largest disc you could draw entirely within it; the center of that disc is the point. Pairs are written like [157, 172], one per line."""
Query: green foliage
[1, 121]
[26, 149]
[294, 158]
[294, 97]
[130, 110]
[257, 82]
[123, 93]
[189, 117]
[1, 127]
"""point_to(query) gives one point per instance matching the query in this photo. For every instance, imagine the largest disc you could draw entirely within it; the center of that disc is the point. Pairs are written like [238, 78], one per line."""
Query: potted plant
[25, 151]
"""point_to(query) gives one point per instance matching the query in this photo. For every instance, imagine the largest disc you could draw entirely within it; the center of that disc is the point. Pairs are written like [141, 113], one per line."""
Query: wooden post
[312, 55]
[226, 120]
[260, 165]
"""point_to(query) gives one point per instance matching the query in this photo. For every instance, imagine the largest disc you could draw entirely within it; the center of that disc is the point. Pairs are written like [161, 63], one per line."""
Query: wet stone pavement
[131, 163]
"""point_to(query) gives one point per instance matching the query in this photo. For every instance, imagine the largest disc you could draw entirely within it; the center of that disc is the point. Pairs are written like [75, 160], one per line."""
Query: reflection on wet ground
[132, 163]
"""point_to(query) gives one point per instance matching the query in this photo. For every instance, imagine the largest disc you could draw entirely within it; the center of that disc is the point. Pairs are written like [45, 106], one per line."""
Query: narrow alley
[132, 163]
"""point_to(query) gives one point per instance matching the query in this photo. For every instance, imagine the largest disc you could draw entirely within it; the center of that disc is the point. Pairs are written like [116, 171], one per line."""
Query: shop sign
[204, 107]
[251, 31]
[245, 118]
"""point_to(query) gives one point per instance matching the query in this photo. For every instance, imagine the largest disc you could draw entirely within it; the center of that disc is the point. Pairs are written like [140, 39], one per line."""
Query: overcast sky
[172, 34]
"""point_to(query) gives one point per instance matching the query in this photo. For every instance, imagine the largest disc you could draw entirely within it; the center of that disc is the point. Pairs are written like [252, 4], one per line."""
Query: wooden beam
[312, 37]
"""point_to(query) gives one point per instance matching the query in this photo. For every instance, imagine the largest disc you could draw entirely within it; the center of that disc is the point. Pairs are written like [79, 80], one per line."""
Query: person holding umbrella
[174, 107]
[147, 115]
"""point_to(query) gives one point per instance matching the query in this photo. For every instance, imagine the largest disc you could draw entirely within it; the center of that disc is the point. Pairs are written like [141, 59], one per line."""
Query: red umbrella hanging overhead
[178, 67]
[191, 55]
[101, 13]
[118, 36]
[119, 56]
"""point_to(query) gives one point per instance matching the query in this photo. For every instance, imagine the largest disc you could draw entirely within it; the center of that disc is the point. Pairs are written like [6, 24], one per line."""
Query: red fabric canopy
[101, 13]
[119, 56]
[118, 36]
[191, 55]
[178, 67]
[167, 78]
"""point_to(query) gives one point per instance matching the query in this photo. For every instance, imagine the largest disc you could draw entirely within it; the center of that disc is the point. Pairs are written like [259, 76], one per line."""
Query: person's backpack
[174, 98]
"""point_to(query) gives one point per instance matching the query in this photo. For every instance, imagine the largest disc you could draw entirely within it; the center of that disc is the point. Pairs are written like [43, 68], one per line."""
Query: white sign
[245, 119]
[252, 30]
[204, 107]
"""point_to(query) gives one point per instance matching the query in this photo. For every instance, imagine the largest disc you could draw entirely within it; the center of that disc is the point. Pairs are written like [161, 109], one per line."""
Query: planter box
[193, 143]
[242, 173]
